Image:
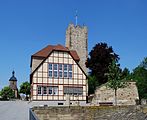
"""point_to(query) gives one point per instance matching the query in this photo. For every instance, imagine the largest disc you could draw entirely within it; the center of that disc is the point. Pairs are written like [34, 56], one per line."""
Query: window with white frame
[50, 91]
[55, 70]
[60, 70]
[53, 90]
[70, 71]
[39, 90]
[50, 70]
[65, 70]
[45, 90]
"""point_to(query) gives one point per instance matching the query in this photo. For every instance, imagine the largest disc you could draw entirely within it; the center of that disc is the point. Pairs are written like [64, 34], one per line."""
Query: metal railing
[32, 115]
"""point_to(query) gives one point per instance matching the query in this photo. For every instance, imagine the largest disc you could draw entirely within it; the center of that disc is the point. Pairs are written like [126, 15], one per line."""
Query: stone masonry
[125, 96]
[90, 113]
[76, 39]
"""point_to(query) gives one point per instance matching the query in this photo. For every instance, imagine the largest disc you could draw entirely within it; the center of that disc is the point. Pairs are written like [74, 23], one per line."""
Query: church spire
[13, 78]
[13, 72]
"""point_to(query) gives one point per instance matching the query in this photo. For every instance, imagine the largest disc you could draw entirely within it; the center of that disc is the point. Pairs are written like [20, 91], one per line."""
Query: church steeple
[13, 78]
[13, 72]
[13, 83]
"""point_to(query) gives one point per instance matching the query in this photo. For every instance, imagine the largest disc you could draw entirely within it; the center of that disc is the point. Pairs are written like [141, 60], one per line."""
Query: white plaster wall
[42, 78]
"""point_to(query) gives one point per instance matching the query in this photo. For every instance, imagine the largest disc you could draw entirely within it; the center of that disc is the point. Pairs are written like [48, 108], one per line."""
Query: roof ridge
[43, 53]
[43, 49]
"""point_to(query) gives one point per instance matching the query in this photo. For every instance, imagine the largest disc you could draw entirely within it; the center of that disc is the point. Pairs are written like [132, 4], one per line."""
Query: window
[65, 71]
[44, 90]
[70, 67]
[53, 90]
[50, 92]
[60, 70]
[50, 73]
[39, 90]
[55, 66]
[65, 67]
[55, 70]
[70, 71]
[60, 74]
[73, 90]
[50, 70]
[50, 66]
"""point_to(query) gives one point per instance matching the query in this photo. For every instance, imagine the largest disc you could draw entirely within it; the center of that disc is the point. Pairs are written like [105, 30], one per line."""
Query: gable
[60, 57]
[41, 56]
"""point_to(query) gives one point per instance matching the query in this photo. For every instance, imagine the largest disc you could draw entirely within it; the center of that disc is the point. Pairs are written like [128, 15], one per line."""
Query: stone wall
[90, 113]
[125, 96]
[76, 39]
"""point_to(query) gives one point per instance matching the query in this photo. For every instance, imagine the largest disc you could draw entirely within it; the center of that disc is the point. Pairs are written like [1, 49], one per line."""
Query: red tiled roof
[60, 48]
[75, 55]
[44, 52]
[47, 50]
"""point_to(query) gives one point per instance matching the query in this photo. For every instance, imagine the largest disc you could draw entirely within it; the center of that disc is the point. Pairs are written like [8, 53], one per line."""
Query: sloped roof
[43, 53]
[74, 54]
[13, 78]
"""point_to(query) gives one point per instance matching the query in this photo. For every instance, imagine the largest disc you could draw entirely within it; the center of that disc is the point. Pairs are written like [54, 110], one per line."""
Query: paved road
[17, 110]
[14, 110]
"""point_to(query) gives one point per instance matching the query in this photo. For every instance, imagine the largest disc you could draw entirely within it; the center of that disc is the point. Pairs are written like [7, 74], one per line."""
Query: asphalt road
[17, 110]
[14, 110]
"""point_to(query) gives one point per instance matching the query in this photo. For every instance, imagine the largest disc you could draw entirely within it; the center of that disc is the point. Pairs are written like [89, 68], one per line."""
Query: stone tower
[76, 39]
[13, 84]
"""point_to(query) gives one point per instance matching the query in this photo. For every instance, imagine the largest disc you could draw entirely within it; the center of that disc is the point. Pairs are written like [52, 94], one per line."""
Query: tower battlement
[76, 39]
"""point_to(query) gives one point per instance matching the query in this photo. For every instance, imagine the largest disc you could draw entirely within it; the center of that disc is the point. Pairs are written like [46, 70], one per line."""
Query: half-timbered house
[57, 76]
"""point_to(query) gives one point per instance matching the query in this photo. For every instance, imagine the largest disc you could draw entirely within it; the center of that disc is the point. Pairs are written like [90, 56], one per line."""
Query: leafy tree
[92, 84]
[144, 63]
[126, 74]
[140, 76]
[7, 93]
[114, 78]
[25, 88]
[100, 57]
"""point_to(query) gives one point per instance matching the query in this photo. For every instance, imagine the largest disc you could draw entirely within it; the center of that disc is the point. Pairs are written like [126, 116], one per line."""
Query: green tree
[114, 78]
[140, 76]
[126, 74]
[25, 88]
[100, 57]
[144, 63]
[7, 93]
[92, 84]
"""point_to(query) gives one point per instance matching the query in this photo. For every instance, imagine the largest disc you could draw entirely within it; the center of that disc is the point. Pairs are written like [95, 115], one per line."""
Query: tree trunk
[115, 97]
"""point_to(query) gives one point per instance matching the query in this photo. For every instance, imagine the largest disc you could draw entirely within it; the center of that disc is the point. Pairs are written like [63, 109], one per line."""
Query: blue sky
[26, 26]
